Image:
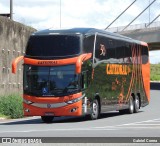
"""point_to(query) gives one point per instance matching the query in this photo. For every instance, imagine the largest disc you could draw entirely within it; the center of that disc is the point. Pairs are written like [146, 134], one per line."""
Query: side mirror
[15, 62]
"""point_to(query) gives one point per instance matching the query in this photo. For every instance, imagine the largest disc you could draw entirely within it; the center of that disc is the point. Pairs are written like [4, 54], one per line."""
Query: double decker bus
[83, 71]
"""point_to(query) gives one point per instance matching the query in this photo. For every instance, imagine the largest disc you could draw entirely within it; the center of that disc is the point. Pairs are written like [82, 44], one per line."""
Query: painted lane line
[148, 124]
[128, 124]
[155, 121]
[139, 127]
[86, 129]
[54, 130]
[105, 129]
[115, 127]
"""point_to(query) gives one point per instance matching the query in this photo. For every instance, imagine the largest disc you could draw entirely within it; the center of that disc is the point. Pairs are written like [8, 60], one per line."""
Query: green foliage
[155, 72]
[11, 106]
[3, 116]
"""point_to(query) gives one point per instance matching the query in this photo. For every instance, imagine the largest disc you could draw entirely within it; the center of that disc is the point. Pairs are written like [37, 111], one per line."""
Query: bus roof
[85, 31]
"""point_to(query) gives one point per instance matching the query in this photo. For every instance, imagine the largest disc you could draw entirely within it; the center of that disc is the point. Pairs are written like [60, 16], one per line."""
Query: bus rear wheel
[95, 110]
[136, 104]
[47, 119]
[131, 106]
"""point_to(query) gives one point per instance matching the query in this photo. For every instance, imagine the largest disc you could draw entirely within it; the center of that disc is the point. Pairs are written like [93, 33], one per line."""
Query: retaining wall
[13, 39]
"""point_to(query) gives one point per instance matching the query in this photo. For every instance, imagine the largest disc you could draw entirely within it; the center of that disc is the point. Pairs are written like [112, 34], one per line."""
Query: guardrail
[155, 85]
[134, 27]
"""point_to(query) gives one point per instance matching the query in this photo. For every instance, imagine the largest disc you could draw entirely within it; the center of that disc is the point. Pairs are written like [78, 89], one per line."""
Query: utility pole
[11, 9]
[149, 13]
[60, 14]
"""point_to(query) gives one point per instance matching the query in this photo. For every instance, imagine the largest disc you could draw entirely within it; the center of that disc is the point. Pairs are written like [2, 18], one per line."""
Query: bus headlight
[75, 100]
[27, 101]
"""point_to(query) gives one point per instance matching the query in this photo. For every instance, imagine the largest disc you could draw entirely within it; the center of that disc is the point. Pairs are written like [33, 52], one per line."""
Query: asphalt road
[146, 123]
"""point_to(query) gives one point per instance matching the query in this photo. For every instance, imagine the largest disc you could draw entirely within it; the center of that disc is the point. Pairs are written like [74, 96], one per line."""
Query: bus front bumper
[75, 107]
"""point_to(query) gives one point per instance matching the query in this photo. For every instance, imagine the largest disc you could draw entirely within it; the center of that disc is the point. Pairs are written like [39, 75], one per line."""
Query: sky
[43, 14]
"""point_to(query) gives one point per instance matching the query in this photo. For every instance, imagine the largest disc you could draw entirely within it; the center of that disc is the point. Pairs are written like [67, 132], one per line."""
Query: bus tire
[136, 104]
[47, 119]
[131, 105]
[94, 110]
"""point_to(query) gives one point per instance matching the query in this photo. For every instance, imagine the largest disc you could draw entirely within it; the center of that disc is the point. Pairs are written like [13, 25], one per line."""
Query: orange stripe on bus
[132, 77]
[144, 43]
[75, 60]
[146, 78]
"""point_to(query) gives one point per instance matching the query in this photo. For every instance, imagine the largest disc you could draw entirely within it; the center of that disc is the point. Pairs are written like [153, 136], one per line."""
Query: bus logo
[49, 105]
[45, 90]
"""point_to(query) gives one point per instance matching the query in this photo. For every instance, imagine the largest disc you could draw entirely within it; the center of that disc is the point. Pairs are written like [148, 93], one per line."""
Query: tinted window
[144, 54]
[53, 45]
[50, 81]
[120, 49]
[128, 53]
[105, 48]
[88, 44]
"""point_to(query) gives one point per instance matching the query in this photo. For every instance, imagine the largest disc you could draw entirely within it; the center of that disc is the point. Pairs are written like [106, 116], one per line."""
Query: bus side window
[111, 51]
[84, 79]
[120, 51]
[101, 46]
[105, 48]
[144, 54]
[128, 53]
[88, 44]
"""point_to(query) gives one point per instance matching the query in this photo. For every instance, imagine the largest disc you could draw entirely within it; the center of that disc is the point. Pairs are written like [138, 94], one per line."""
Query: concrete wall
[13, 39]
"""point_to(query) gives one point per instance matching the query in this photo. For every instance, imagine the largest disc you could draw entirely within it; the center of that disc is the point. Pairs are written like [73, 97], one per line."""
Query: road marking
[128, 123]
[47, 130]
[148, 124]
[82, 129]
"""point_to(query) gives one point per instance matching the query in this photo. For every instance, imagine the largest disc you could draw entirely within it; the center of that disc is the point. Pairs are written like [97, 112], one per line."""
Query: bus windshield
[50, 81]
[53, 46]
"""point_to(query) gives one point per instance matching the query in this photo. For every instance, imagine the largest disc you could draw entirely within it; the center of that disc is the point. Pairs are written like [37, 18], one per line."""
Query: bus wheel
[136, 104]
[94, 110]
[131, 105]
[47, 119]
